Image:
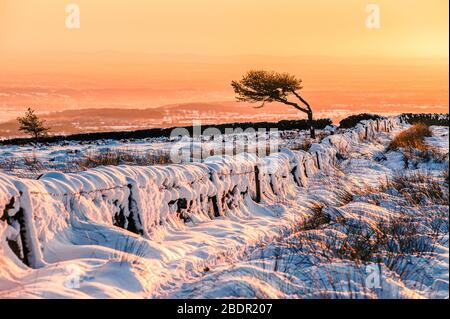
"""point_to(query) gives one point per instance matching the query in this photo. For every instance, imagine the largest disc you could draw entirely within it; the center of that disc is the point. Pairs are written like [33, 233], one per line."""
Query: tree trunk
[311, 125]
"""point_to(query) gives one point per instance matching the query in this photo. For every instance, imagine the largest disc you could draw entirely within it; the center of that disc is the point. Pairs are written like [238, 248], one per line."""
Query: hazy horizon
[144, 54]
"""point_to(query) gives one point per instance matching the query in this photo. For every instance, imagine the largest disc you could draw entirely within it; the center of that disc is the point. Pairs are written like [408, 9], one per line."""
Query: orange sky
[150, 52]
[223, 27]
[409, 28]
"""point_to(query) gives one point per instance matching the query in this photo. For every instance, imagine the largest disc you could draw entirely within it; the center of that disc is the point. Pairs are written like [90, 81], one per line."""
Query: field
[356, 213]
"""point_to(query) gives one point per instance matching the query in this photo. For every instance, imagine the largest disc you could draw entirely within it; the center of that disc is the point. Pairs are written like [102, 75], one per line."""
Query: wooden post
[318, 160]
[258, 185]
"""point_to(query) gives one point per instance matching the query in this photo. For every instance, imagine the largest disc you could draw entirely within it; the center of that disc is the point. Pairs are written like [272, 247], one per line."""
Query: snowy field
[33, 160]
[326, 223]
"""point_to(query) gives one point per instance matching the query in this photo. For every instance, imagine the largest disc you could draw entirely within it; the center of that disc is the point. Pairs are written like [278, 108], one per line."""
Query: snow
[139, 232]
[65, 156]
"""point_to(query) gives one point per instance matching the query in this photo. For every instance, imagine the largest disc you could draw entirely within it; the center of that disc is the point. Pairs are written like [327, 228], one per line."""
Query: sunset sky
[150, 52]
[409, 28]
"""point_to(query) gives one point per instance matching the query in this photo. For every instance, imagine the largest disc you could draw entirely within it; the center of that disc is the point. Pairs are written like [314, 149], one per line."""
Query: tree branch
[302, 100]
[298, 107]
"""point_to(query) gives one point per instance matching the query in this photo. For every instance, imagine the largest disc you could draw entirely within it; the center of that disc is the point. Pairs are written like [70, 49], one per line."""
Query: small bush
[353, 120]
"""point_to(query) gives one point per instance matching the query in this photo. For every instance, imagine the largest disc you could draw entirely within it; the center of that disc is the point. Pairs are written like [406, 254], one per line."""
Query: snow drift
[37, 213]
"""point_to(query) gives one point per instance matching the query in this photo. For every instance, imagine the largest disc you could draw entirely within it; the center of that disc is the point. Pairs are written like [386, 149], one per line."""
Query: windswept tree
[259, 86]
[32, 125]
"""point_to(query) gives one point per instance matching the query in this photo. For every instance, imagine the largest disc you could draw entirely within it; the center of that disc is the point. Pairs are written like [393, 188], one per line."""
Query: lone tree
[31, 124]
[266, 87]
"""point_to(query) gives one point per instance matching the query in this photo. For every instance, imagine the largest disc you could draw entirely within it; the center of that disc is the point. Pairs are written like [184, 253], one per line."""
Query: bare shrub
[351, 243]
[412, 157]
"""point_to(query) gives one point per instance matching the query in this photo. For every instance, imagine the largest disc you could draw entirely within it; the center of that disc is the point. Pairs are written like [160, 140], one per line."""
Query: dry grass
[415, 150]
[400, 235]
[412, 138]
[122, 158]
[33, 167]
[317, 219]
[418, 188]
[9, 164]
[32, 164]
[345, 196]
[304, 145]
[129, 250]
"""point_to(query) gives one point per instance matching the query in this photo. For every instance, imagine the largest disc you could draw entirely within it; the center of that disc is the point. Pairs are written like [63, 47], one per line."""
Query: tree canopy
[31, 124]
[259, 86]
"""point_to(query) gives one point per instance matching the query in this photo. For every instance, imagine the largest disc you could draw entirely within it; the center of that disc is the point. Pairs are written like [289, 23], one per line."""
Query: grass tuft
[412, 138]
[418, 188]
[122, 158]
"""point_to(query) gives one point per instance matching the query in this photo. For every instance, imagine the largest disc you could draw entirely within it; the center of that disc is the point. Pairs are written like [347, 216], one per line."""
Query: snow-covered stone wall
[141, 199]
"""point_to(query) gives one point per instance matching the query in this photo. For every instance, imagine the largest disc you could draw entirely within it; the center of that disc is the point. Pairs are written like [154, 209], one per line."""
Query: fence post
[214, 200]
[258, 185]
[318, 160]
[134, 218]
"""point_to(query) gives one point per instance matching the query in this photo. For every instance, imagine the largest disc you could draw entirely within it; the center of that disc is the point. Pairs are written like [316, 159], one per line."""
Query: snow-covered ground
[33, 160]
[212, 230]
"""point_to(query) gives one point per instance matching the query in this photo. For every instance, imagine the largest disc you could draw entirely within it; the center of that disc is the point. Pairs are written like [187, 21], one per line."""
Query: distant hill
[118, 119]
